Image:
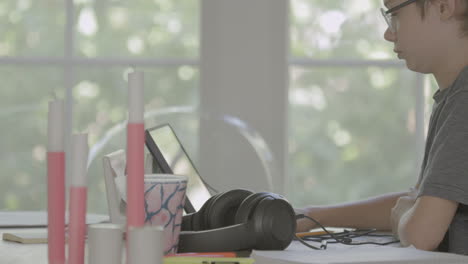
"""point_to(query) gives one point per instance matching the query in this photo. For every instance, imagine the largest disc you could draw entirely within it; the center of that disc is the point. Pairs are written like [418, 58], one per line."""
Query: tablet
[169, 156]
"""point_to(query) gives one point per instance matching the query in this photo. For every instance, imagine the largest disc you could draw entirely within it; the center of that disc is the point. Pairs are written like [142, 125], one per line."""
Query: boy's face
[414, 39]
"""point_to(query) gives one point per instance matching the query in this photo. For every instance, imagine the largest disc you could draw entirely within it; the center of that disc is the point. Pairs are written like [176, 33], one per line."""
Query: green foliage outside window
[352, 129]
[149, 30]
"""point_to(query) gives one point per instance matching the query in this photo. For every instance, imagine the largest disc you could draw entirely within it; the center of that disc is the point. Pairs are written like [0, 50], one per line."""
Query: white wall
[244, 73]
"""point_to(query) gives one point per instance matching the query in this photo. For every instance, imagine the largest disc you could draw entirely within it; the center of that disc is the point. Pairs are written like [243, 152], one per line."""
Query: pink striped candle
[135, 151]
[56, 183]
[78, 193]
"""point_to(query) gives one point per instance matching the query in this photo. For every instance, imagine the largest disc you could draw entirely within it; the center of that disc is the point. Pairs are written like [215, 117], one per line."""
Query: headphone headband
[239, 220]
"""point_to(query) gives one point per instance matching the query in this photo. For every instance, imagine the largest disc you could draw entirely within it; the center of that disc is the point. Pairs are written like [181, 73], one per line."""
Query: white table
[338, 253]
[15, 253]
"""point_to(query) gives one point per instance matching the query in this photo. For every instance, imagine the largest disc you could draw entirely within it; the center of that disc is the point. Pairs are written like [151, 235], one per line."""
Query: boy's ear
[447, 8]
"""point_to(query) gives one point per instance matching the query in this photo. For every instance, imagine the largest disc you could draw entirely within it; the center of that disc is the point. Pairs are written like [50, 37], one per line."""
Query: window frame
[69, 63]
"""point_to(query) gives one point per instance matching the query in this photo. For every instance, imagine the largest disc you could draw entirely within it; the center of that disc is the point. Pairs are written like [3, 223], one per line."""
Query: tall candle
[56, 183]
[135, 150]
[135, 153]
[78, 195]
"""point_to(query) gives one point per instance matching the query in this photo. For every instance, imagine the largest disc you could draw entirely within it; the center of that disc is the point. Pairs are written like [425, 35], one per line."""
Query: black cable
[318, 240]
[343, 241]
[339, 237]
[348, 234]
[305, 243]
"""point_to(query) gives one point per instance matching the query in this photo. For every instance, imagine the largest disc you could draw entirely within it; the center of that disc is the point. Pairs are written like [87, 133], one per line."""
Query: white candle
[55, 128]
[105, 244]
[146, 245]
[80, 151]
[135, 97]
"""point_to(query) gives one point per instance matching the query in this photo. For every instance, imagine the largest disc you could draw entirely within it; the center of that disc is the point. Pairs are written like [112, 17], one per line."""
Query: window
[357, 116]
[81, 50]
[356, 113]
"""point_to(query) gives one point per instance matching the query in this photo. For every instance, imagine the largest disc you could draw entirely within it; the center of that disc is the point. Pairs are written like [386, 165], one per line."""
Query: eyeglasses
[388, 14]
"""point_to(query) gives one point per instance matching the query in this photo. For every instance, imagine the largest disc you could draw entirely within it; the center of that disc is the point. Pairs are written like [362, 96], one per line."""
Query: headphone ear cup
[198, 218]
[248, 206]
[273, 222]
[187, 222]
[223, 210]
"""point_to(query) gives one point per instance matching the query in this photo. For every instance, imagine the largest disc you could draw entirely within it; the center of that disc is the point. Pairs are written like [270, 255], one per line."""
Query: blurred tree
[153, 30]
[352, 129]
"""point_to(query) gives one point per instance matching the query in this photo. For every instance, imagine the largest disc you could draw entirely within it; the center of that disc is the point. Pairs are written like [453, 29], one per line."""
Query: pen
[205, 254]
[316, 233]
[202, 260]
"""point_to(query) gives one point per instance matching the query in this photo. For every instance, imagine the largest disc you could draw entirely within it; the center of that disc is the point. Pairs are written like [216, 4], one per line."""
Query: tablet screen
[170, 157]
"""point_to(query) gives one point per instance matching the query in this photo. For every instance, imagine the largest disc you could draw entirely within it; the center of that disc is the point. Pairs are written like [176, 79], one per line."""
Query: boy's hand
[402, 205]
[304, 224]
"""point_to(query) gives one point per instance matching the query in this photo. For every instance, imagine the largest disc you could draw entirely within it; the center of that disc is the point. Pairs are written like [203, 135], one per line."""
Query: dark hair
[463, 17]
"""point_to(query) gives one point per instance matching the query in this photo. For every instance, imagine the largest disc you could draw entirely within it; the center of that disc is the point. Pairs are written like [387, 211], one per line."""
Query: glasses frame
[387, 14]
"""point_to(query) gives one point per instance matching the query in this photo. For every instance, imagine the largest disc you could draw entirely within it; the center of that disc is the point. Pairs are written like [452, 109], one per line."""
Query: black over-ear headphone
[239, 220]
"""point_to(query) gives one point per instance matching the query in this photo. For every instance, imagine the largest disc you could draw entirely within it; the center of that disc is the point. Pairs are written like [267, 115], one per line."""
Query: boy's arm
[425, 224]
[370, 213]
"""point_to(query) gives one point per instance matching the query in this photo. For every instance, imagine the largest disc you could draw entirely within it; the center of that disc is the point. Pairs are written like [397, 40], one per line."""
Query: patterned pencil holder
[164, 205]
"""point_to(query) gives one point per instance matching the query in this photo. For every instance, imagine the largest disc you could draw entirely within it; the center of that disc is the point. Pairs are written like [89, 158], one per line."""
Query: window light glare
[358, 7]
[350, 153]
[323, 42]
[309, 97]
[155, 36]
[411, 121]
[3, 9]
[378, 78]
[363, 46]
[190, 42]
[380, 55]
[88, 48]
[33, 38]
[23, 5]
[174, 25]
[340, 136]
[126, 72]
[22, 179]
[14, 17]
[11, 201]
[39, 153]
[87, 24]
[331, 21]
[186, 73]
[118, 17]
[81, 2]
[5, 49]
[135, 45]
[301, 10]
[86, 89]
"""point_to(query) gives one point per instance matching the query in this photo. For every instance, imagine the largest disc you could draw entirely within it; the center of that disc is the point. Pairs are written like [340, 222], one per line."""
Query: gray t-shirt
[444, 172]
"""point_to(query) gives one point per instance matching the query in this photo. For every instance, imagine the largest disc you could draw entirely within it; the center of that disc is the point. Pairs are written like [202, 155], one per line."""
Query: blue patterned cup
[164, 205]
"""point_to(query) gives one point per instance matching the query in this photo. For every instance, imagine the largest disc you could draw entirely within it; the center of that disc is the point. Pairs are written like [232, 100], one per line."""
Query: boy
[432, 37]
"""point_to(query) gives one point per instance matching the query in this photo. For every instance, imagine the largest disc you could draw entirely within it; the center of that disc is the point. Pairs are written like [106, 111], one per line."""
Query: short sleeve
[446, 172]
